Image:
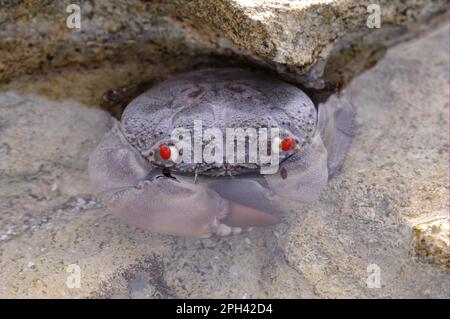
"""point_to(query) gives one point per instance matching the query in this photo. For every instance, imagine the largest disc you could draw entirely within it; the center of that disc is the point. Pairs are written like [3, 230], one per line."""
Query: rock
[122, 43]
[301, 36]
[396, 173]
[119, 43]
[380, 216]
[432, 240]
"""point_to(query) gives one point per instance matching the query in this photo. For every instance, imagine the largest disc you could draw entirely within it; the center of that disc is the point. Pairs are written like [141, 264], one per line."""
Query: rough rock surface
[432, 239]
[300, 36]
[119, 43]
[395, 177]
[127, 42]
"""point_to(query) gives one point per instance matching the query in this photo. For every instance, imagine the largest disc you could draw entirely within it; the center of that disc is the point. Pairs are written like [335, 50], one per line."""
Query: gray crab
[137, 166]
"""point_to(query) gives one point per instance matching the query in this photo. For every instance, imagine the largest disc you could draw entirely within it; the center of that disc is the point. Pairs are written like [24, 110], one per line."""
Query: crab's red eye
[286, 144]
[164, 151]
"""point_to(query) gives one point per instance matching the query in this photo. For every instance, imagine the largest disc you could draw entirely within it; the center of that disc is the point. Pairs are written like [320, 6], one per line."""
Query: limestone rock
[122, 43]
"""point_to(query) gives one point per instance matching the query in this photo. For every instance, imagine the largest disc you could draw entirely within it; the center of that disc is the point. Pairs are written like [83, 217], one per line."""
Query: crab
[138, 171]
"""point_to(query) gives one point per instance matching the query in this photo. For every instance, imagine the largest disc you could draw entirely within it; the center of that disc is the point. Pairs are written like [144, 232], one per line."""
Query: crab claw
[135, 192]
[251, 203]
[166, 206]
[114, 163]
